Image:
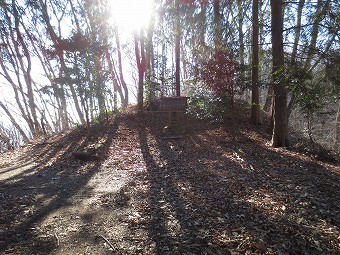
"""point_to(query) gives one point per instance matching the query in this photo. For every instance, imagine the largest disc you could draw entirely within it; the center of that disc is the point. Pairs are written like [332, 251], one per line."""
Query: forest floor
[129, 189]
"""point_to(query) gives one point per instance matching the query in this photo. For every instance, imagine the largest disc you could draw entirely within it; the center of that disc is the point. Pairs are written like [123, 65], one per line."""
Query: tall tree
[178, 49]
[120, 70]
[321, 10]
[150, 63]
[280, 136]
[217, 24]
[333, 76]
[293, 57]
[58, 46]
[202, 20]
[141, 65]
[255, 99]
[240, 18]
[16, 64]
[26, 70]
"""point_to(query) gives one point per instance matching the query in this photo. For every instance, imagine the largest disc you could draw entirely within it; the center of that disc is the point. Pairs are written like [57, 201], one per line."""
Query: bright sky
[131, 15]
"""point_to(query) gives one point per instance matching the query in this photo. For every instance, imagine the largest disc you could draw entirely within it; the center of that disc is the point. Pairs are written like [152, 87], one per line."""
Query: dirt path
[52, 203]
[206, 192]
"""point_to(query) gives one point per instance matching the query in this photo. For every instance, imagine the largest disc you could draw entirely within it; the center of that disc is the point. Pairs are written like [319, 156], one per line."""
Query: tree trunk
[297, 31]
[99, 84]
[202, 25]
[149, 59]
[269, 99]
[255, 100]
[280, 131]
[241, 40]
[178, 50]
[14, 122]
[319, 16]
[76, 104]
[61, 93]
[26, 69]
[163, 68]
[292, 100]
[217, 25]
[140, 59]
[57, 42]
[120, 71]
[16, 90]
[337, 129]
[116, 85]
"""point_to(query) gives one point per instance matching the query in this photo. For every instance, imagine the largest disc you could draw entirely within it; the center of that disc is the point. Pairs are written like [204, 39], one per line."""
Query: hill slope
[127, 189]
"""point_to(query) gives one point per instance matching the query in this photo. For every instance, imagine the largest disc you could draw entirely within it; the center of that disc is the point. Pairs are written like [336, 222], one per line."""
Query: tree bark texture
[255, 118]
[280, 131]
[178, 50]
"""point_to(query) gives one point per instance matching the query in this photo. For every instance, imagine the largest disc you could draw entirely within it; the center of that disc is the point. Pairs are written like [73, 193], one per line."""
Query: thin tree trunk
[178, 50]
[16, 91]
[255, 100]
[76, 104]
[241, 40]
[297, 31]
[116, 86]
[63, 110]
[140, 59]
[292, 100]
[99, 84]
[337, 129]
[14, 122]
[269, 98]
[57, 45]
[149, 72]
[26, 72]
[120, 71]
[163, 68]
[321, 10]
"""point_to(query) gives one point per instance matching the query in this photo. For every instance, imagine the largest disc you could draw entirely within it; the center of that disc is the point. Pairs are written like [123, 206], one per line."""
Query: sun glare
[131, 15]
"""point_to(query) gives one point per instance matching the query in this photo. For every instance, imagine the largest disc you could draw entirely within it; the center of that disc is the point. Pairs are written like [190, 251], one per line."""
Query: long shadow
[55, 180]
[181, 205]
[307, 191]
[232, 196]
[165, 205]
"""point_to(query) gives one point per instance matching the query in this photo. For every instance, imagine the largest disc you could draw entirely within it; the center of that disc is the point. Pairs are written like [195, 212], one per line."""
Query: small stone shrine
[175, 107]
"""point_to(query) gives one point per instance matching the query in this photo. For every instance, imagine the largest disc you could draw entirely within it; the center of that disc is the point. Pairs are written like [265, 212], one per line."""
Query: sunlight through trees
[67, 63]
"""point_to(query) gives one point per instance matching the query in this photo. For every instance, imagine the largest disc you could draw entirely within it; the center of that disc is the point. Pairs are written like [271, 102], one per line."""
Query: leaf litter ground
[214, 190]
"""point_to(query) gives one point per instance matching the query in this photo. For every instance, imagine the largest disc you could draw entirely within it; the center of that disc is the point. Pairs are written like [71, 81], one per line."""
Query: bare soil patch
[214, 190]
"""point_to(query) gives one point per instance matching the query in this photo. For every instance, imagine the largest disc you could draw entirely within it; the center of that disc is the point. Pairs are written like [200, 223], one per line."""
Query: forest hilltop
[66, 63]
[214, 189]
[169, 127]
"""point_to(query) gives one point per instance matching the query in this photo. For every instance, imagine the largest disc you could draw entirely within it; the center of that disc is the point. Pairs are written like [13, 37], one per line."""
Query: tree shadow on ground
[49, 182]
[211, 193]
